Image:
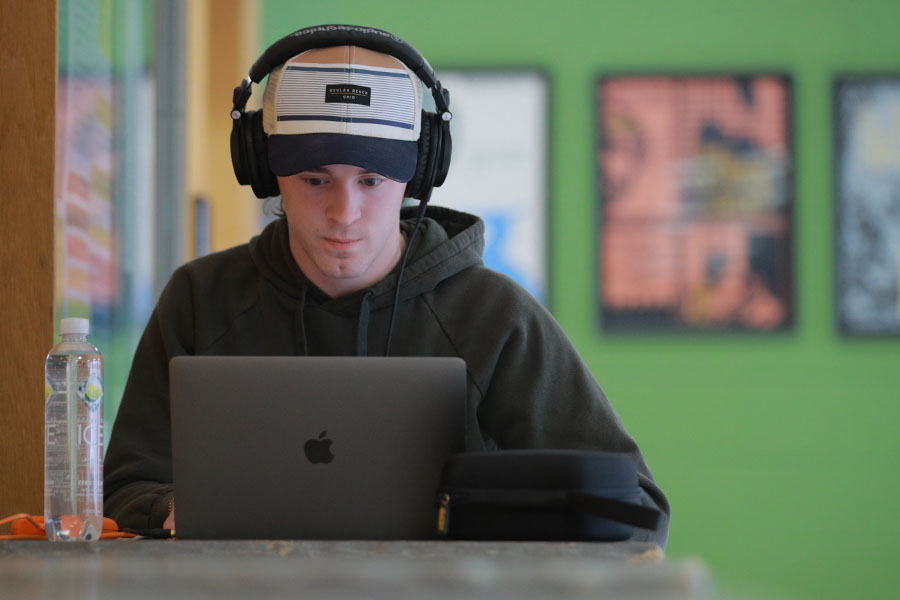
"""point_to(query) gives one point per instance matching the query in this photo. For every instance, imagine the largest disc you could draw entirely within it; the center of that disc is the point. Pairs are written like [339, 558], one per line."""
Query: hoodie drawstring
[301, 315]
[362, 326]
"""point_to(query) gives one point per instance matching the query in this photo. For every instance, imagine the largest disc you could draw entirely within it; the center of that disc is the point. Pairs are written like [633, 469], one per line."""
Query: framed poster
[498, 169]
[695, 204]
[867, 152]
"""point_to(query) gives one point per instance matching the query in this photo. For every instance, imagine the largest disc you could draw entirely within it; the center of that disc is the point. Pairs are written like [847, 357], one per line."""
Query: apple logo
[319, 450]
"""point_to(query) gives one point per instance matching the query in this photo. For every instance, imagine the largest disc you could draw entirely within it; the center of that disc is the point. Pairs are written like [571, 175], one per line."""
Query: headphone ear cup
[255, 155]
[238, 152]
[434, 157]
[415, 188]
[443, 150]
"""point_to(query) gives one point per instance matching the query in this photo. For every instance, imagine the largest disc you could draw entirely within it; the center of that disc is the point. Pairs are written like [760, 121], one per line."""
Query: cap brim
[292, 154]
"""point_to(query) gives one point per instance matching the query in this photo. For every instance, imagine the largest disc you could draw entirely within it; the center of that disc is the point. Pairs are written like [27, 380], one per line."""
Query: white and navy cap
[343, 105]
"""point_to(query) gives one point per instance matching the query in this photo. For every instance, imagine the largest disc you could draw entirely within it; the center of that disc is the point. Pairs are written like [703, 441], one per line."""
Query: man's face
[344, 224]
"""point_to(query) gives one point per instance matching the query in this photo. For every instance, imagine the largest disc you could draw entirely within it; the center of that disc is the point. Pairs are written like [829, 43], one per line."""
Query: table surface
[206, 569]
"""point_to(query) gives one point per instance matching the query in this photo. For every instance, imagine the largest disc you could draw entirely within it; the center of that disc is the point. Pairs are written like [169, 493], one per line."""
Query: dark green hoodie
[527, 386]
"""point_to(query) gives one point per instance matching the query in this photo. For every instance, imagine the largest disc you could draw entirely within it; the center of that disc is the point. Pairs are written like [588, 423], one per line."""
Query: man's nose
[345, 204]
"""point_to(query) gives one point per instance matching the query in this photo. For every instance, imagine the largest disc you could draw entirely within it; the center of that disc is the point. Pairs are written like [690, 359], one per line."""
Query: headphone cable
[423, 204]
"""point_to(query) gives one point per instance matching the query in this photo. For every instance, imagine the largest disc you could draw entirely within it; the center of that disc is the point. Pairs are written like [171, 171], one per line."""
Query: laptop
[312, 447]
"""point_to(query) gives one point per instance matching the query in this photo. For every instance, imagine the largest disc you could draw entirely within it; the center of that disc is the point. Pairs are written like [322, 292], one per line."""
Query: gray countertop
[174, 569]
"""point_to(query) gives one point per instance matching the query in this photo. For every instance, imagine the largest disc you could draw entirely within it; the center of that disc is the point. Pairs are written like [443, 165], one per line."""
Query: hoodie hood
[448, 242]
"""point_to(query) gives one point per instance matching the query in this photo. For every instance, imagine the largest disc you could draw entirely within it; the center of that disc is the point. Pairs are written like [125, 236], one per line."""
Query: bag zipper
[443, 524]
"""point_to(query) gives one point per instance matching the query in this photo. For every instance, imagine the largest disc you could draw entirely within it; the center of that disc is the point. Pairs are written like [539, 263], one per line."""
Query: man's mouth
[341, 242]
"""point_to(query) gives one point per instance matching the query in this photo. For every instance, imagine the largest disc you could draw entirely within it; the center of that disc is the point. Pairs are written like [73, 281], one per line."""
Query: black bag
[545, 495]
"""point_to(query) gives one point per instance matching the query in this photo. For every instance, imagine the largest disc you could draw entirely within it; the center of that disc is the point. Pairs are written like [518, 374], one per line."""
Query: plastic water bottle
[73, 436]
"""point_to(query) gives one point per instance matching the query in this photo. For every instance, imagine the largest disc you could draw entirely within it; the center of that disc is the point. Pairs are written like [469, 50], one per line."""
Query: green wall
[777, 451]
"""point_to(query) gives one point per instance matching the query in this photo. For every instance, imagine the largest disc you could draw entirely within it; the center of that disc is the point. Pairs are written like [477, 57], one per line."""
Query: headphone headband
[323, 36]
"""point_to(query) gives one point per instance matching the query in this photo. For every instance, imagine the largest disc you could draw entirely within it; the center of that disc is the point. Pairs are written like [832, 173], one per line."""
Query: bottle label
[91, 391]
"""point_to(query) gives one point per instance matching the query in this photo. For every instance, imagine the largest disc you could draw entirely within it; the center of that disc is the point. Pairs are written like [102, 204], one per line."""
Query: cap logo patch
[348, 94]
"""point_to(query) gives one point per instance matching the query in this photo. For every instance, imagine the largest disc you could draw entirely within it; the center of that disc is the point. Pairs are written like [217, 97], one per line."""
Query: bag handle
[644, 517]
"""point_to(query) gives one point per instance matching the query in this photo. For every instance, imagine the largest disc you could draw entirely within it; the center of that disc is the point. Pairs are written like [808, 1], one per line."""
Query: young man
[348, 271]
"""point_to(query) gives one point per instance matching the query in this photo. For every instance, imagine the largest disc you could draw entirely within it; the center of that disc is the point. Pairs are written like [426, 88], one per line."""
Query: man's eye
[371, 181]
[315, 181]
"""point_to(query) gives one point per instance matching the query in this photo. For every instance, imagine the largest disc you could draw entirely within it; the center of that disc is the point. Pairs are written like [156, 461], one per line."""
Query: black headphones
[249, 143]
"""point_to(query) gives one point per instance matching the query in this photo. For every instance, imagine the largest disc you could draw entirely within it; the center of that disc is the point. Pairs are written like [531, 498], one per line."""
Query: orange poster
[695, 203]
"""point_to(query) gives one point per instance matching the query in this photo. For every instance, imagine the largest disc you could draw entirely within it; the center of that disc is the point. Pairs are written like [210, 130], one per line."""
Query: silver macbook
[312, 447]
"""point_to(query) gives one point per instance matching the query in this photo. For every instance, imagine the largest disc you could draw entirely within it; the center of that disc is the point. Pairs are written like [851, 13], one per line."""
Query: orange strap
[27, 527]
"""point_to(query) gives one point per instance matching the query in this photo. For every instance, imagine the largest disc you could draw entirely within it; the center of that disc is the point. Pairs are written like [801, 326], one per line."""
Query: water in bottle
[73, 436]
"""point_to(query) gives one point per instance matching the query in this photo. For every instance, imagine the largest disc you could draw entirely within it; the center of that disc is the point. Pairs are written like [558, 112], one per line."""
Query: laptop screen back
[312, 447]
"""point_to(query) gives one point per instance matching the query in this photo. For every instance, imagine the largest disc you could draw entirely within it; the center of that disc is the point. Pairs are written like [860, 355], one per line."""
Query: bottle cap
[74, 325]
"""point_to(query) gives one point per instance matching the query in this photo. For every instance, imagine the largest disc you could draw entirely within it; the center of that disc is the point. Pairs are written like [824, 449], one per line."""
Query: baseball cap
[343, 105]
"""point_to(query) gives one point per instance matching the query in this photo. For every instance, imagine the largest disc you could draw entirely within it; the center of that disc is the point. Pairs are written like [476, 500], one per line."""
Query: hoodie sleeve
[537, 392]
[138, 465]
